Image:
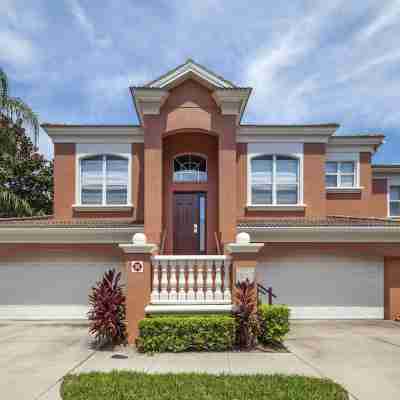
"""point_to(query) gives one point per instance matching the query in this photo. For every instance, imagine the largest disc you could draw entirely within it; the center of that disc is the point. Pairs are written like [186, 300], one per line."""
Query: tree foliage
[26, 177]
[15, 109]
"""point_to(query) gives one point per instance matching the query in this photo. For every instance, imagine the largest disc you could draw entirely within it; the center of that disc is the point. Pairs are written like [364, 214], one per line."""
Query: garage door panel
[326, 286]
[54, 287]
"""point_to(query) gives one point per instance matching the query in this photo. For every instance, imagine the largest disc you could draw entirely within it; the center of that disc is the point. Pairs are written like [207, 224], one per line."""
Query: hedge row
[178, 333]
[191, 333]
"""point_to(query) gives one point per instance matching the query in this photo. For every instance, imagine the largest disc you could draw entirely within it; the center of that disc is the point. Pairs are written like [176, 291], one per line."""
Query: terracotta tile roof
[329, 221]
[49, 221]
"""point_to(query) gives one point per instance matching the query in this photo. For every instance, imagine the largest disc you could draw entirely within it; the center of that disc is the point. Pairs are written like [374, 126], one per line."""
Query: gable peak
[190, 70]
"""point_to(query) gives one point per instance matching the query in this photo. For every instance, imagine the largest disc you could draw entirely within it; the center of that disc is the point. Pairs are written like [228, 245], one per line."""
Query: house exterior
[192, 199]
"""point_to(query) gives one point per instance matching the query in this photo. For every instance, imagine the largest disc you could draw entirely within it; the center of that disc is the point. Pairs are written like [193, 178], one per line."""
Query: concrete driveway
[364, 356]
[35, 356]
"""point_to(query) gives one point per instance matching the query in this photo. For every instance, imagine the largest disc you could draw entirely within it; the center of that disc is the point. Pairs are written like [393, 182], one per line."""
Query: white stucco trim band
[68, 234]
[323, 234]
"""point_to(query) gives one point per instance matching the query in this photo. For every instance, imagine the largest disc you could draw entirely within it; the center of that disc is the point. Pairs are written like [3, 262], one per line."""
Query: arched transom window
[274, 180]
[190, 168]
[104, 180]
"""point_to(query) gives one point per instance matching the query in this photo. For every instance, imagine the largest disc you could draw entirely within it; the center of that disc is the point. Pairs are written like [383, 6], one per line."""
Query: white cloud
[87, 25]
[389, 16]
[112, 87]
[15, 49]
[376, 62]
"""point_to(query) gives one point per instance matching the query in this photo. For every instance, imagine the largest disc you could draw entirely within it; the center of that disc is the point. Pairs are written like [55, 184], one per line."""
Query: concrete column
[392, 288]
[244, 258]
[138, 269]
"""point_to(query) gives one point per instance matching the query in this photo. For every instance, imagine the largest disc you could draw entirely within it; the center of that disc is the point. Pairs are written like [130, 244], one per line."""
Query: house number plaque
[244, 273]
[136, 266]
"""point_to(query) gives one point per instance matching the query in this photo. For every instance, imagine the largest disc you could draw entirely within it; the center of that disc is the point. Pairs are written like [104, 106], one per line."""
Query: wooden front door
[189, 223]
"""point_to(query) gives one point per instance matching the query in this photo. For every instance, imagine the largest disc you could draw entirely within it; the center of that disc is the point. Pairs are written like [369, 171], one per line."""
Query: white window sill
[102, 208]
[344, 189]
[276, 207]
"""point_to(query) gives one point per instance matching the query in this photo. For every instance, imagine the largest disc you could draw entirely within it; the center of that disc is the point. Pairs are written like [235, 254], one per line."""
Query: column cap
[243, 245]
[139, 245]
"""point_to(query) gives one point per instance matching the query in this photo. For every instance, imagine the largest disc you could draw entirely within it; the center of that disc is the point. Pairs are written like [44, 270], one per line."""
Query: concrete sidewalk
[363, 356]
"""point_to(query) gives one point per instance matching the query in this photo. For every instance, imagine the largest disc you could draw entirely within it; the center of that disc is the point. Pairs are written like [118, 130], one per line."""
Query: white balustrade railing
[191, 280]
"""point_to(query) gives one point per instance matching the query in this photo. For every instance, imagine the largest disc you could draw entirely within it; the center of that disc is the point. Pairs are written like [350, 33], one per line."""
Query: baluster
[155, 293]
[199, 282]
[182, 282]
[208, 283]
[191, 282]
[227, 280]
[173, 294]
[164, 281]
[218, 296]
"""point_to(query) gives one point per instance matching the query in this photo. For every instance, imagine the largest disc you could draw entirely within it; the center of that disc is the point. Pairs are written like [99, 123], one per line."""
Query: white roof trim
[272, 133]
[67, 234]
[100, 134]
[324, 234]
[190, 70]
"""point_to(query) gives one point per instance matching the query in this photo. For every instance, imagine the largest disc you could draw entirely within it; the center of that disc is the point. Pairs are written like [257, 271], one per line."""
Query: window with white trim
[274, 180]
[394, 201]
[104, 180]
[340, 174]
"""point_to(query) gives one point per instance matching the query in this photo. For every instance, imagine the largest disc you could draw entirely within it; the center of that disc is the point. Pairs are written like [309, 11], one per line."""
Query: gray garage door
[323, 286]
[50, 286]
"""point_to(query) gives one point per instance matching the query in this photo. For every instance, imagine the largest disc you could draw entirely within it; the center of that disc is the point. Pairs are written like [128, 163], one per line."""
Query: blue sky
[308, 61]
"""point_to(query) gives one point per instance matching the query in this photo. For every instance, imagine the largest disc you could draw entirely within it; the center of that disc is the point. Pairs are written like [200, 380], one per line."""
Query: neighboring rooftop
[329, 221]
[49, 221]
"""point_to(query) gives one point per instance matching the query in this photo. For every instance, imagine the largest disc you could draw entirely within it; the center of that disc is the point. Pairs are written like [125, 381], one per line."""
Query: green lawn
[124, 385]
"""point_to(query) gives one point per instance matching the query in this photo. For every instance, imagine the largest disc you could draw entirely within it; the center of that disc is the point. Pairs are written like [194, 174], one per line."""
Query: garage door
[323, 286]
[50, 286]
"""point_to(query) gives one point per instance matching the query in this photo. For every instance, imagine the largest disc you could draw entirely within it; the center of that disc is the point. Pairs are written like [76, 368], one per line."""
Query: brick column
[227, 179]
[138, 288]
[152, 178]
[392, 288]
[244, 258]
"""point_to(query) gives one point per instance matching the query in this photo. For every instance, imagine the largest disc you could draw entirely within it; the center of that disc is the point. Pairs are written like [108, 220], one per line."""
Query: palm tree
[15, 110]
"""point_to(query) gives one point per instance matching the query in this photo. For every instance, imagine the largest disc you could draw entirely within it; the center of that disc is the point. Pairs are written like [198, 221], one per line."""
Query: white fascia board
[186, 71]
[336, 144]
[246, 134]
[323, 234]
[196, 257]
[96, 134]
[68, 235]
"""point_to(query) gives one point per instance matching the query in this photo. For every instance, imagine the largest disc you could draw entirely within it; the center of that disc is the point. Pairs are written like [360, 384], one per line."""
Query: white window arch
[190, 167]
[274, 180]
[104, 180]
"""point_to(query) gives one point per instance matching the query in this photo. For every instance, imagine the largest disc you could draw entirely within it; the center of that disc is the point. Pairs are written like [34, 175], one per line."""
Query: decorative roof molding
[190, 70]
[50, 234]
[94, 133]
[355, 144]
[386, 169]
[148, 101]
[286, 133]
[232, 101]
[324, 234]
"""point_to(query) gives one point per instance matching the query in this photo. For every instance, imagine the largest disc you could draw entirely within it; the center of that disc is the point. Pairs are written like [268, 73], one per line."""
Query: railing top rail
[200, 257]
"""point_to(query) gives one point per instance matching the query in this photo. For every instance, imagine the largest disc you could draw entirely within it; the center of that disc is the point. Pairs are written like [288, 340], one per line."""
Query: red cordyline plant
[107, 310]
[245, 311]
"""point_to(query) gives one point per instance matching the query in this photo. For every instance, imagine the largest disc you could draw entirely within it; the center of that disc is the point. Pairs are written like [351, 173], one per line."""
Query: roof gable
[190, 70]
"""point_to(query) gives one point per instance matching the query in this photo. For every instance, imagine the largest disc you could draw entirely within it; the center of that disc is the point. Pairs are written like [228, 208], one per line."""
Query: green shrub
[274, 321]
[191, 333]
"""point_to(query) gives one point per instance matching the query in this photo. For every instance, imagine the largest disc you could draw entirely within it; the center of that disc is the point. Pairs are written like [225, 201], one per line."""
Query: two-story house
[208, 200]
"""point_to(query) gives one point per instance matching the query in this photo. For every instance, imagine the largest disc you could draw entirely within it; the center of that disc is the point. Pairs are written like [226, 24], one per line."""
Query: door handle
[194, 228]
